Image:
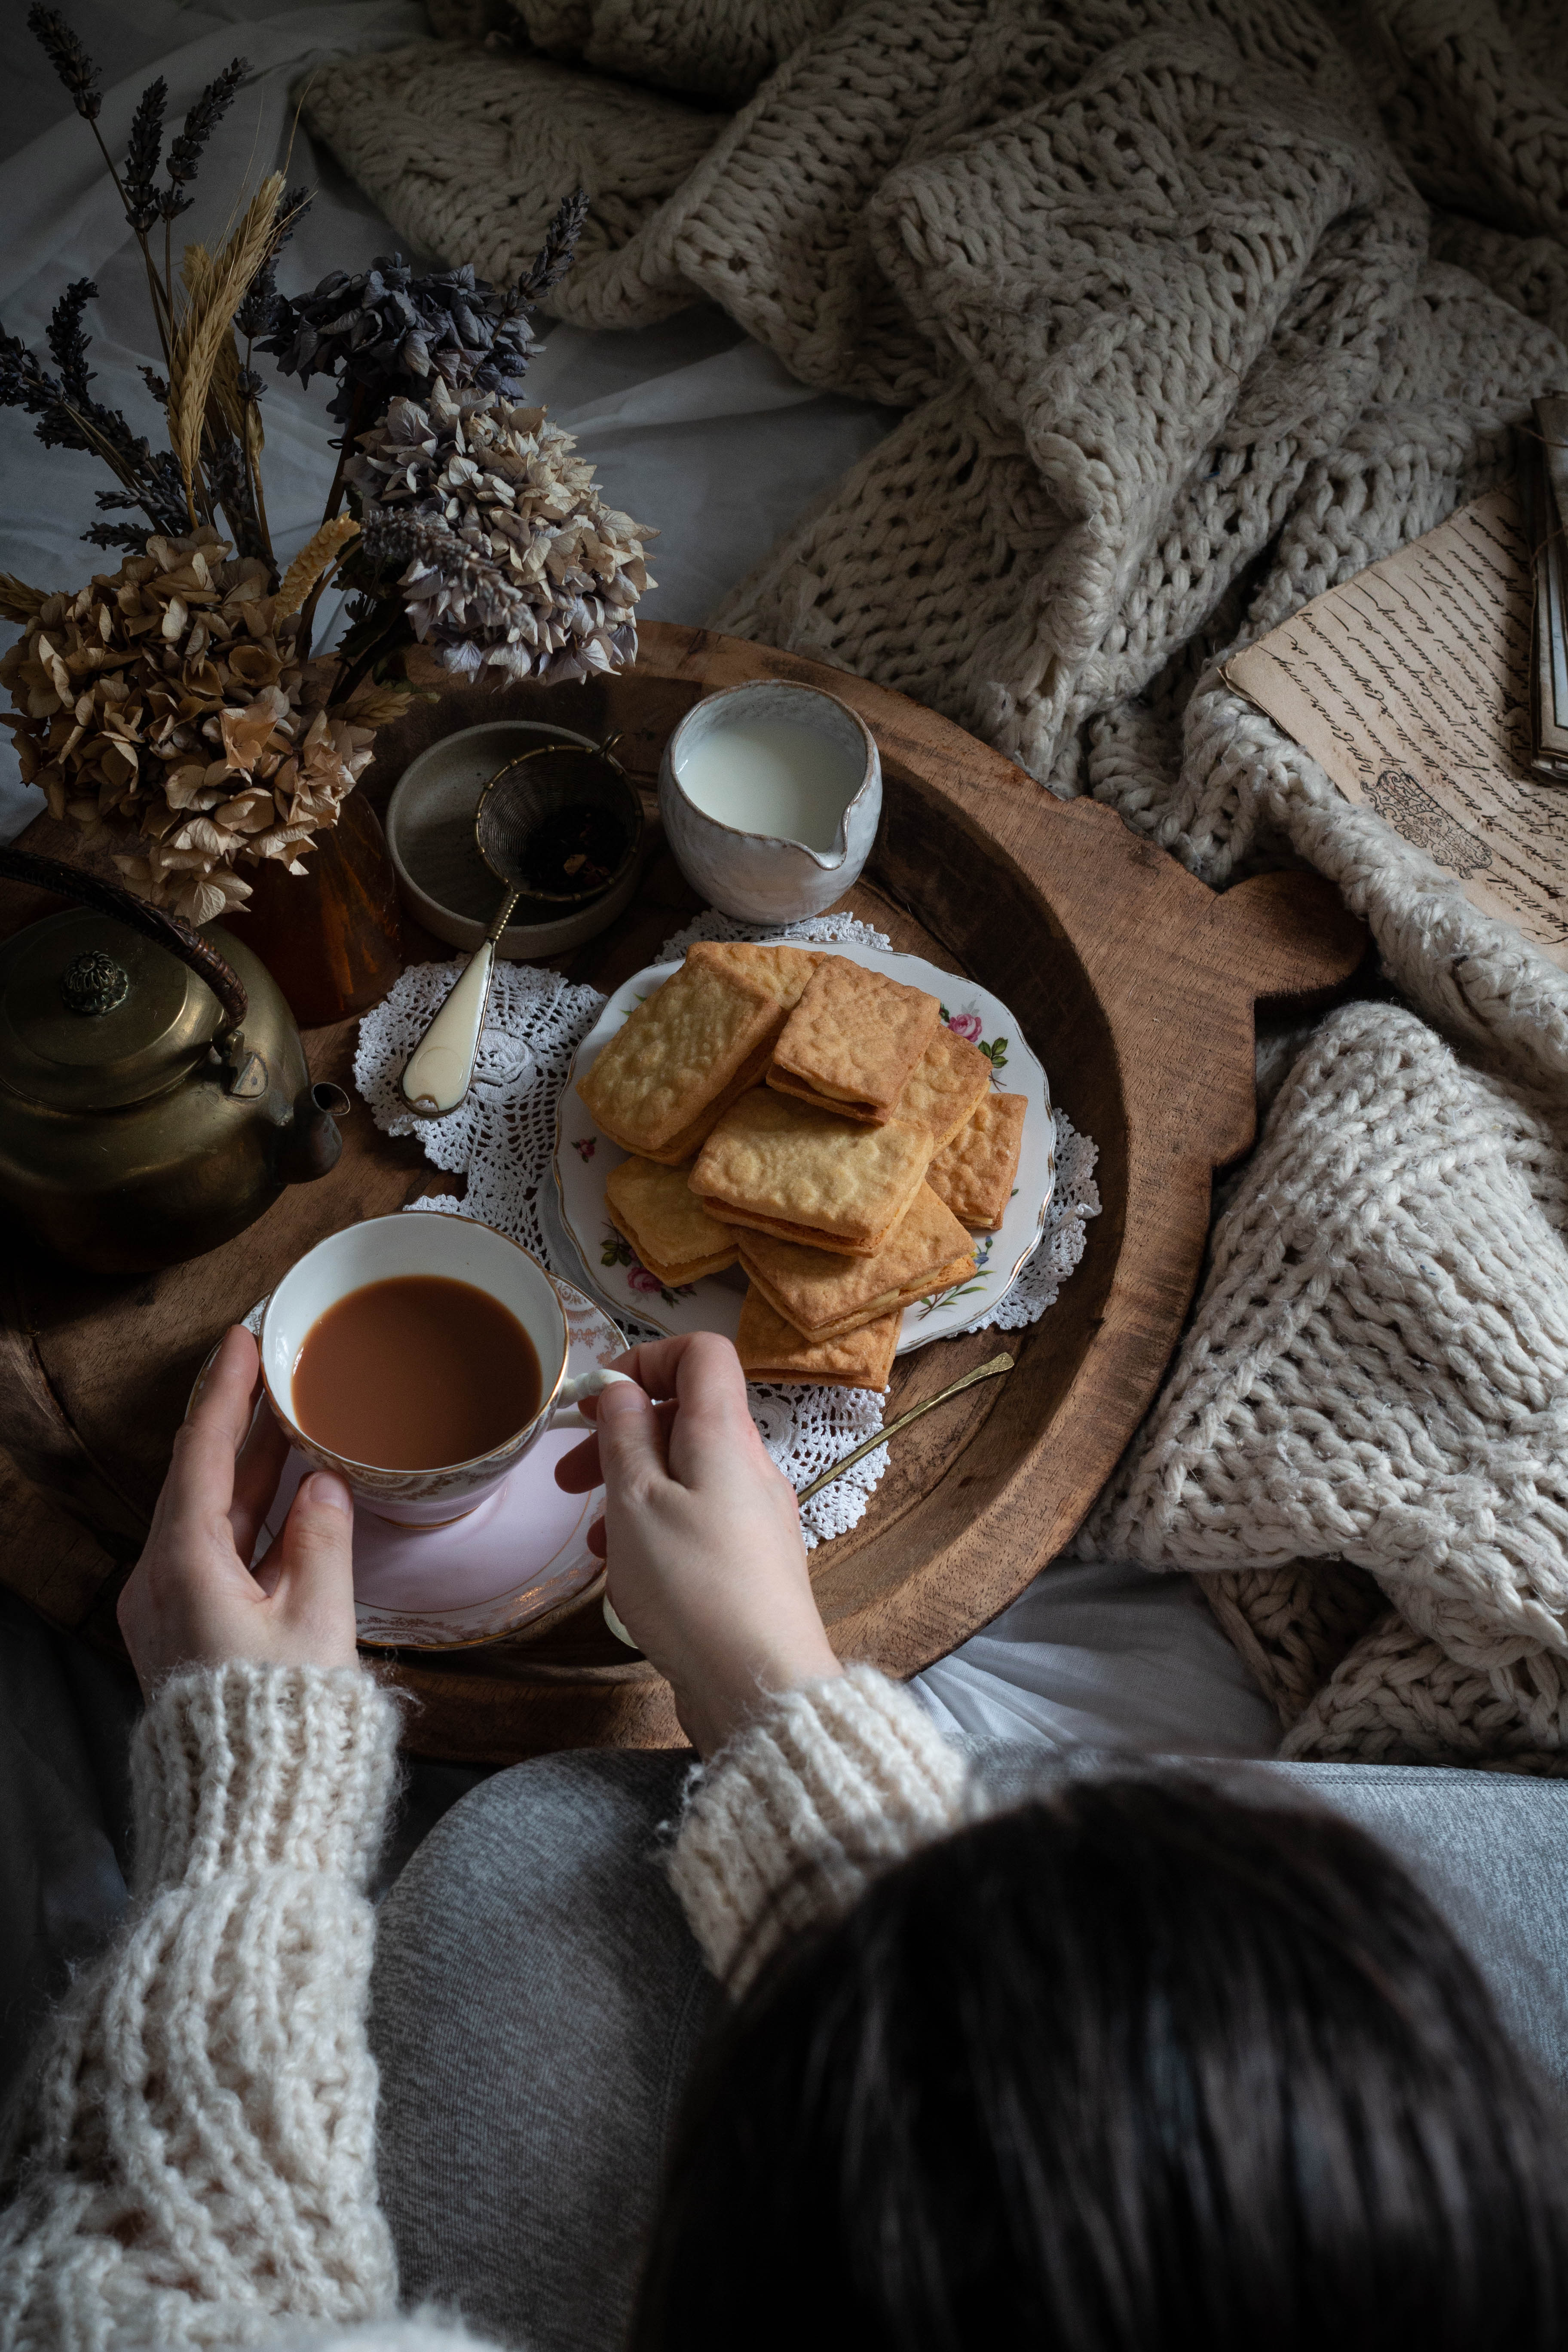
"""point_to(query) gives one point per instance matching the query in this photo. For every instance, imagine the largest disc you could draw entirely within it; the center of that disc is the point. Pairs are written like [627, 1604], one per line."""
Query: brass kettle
[154, 1093]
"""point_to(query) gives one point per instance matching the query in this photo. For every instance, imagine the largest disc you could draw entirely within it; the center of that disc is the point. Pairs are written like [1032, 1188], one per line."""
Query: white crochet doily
[502, 1138]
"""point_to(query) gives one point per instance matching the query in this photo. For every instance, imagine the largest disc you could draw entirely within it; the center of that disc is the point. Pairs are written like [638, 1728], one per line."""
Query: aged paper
[1410, 685]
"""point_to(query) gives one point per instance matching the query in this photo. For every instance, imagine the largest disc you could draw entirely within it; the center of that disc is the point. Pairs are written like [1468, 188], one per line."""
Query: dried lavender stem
[159, 317]
[108, 452]
[154, 288]
[118, 185]
[253, 471]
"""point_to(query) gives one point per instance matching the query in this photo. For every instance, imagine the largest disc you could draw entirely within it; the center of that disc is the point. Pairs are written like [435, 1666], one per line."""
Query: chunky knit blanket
[1192, 310]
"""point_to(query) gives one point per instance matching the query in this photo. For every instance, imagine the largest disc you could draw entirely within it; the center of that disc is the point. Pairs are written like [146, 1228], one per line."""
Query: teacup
[462, 1250]
[771, 794]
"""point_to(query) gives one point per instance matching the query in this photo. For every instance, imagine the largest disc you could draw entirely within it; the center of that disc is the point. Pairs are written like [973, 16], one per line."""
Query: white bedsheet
[1105, 1656]
[695, 429]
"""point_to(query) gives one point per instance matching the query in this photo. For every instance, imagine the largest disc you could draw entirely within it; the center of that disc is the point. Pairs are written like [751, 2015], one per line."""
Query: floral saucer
[523, 1551]
[585, 1157]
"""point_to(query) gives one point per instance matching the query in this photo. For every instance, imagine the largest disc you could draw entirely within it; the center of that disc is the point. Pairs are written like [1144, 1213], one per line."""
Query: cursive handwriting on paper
[1409, 685]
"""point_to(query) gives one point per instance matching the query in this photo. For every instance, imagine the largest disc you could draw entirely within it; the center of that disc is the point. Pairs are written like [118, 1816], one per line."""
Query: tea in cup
[420, 1357]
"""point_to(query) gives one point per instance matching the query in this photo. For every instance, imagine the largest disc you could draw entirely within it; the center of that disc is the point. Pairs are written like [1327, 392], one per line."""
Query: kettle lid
[93, 1017]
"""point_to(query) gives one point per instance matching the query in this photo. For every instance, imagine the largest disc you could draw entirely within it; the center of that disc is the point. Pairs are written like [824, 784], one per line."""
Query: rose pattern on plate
[584, 1146]
[618, 1251]
[970, 1027]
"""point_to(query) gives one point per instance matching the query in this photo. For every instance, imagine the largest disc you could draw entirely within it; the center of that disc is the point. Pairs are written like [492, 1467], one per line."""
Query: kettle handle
[155, 923]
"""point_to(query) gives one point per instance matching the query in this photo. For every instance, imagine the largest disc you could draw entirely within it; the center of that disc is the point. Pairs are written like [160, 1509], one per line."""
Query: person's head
[1136, 2068]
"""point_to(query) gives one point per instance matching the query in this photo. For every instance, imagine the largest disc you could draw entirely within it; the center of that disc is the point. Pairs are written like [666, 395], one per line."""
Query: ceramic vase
[331, 937]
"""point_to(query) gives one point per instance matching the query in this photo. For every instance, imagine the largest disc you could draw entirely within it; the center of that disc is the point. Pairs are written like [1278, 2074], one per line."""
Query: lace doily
[502, 1138]
[1075, 1200]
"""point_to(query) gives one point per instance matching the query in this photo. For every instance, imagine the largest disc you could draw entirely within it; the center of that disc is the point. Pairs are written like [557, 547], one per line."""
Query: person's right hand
[700, 1534]
[192, 1599]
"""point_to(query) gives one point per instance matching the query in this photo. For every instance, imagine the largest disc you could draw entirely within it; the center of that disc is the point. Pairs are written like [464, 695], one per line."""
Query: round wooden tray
[1133, 982]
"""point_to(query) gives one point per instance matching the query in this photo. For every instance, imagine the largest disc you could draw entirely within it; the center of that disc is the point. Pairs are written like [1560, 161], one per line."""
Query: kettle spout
[310, 1145]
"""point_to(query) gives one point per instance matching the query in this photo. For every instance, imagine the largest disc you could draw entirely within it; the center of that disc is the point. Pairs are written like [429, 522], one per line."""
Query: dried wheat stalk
[17, 601]
[198, 273]
[206, 326]
[314, 560]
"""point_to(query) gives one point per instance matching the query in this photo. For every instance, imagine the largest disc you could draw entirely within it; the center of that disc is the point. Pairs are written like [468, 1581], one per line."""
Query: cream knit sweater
[198, 2163]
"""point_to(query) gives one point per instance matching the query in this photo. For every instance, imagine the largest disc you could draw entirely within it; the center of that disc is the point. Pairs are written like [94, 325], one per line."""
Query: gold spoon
[992, 1369]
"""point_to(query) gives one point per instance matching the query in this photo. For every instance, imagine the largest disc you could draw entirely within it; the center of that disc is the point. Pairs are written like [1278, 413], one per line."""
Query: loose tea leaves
[574, 850]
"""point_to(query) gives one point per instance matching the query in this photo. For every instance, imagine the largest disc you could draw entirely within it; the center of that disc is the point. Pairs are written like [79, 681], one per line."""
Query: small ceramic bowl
[762, 876]
[443, 880]
[462, 1250]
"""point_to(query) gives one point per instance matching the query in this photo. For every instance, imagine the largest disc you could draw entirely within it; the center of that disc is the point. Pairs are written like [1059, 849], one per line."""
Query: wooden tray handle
[154, 923]
[1288, 935]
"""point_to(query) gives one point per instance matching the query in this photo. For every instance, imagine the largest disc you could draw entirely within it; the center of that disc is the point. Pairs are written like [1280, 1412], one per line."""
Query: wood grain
[1134, 983]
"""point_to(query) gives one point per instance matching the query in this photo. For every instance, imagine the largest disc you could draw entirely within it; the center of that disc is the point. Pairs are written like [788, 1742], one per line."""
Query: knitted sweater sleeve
[198, 2163]
[831, 1784]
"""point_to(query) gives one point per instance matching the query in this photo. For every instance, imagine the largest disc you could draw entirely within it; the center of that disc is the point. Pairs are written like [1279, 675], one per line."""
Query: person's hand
[191, 1600]
[700, 1534]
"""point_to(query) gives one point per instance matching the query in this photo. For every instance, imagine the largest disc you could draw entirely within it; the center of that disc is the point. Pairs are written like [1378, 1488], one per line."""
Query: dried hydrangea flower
[169, 696]
[511, 560]
[386, 331]
[386, 334]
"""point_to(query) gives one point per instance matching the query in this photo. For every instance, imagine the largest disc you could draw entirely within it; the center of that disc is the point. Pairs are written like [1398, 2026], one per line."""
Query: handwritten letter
[1410, 685]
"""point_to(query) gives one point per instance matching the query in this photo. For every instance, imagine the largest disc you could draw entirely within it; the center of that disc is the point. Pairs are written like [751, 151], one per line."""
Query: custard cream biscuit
[676, 1054]
[655, 1210]
[853, 1039]
[807, 1175]
[826, 1296]
[945, 1087]
[974, 1174]
[682, 1148]
[772, 1350]
[770, 964]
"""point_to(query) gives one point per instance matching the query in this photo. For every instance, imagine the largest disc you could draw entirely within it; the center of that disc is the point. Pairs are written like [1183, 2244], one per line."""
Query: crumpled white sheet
[694, 429]
[1104, 1656]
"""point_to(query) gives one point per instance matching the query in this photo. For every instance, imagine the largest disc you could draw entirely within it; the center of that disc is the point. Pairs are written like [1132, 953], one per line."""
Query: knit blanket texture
[1191, 310]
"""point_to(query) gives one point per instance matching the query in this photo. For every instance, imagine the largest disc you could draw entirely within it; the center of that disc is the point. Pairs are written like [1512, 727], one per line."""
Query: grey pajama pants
[538, 2002]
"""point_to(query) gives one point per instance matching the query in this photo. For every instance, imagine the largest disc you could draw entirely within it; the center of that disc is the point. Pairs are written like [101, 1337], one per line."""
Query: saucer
[520, 1552]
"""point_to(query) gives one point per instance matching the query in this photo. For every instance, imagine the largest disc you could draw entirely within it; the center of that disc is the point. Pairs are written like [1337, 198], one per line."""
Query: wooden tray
[1133, 982]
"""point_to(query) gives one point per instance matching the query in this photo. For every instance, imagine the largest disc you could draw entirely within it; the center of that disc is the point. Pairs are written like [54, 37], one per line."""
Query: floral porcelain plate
[583, 1159]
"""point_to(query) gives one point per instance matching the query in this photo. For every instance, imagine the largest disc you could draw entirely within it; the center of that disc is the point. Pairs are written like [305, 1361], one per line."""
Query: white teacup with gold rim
[393, 1274]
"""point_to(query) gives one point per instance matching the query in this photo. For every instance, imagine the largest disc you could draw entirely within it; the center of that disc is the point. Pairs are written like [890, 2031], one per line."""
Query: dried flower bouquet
[178, 696]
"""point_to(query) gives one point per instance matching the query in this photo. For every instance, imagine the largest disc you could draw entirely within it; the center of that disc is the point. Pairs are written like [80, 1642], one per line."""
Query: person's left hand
[192, 1599]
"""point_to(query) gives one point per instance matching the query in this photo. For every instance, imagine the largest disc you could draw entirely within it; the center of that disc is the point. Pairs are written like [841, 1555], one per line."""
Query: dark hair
[1139, 2066]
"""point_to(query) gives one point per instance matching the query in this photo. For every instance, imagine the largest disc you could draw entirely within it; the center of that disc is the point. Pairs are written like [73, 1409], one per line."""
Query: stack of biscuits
[817, 1123]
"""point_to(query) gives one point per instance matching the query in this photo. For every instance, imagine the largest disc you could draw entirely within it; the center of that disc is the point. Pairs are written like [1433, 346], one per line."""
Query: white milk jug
[769, 794]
